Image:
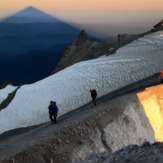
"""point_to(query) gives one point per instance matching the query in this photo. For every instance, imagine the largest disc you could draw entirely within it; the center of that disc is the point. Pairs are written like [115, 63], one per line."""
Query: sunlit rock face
[152, 102]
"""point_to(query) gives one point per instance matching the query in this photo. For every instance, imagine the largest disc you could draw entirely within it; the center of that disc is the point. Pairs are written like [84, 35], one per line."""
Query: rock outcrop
[150, 153]
[158, 26]
[80, 49]
[126, 37]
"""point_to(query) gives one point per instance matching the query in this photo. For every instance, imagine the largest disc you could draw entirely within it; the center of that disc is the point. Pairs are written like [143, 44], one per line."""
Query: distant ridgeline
[31, 44]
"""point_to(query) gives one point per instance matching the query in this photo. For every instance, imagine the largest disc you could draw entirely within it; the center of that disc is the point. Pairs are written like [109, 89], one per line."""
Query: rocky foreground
[149, 153]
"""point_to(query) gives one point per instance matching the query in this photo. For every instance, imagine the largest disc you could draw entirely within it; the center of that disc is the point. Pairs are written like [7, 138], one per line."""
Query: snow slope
[4, 92]
[70, 87]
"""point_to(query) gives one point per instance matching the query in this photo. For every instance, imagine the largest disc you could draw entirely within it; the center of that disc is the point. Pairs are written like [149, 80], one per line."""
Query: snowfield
[70, 87]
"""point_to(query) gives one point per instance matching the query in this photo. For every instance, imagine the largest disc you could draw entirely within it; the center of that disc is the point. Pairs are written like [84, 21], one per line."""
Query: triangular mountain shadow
[30, 15]
[31, 21]
[31, 44]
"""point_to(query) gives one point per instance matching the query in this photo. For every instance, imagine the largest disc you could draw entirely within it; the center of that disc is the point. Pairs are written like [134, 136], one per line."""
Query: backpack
[55, 109]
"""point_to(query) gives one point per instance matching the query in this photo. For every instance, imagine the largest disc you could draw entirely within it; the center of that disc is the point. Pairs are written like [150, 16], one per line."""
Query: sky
[137, 59]
[117, 12]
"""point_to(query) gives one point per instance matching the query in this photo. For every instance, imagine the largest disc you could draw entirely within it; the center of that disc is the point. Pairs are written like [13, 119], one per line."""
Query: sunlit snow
[70, 87]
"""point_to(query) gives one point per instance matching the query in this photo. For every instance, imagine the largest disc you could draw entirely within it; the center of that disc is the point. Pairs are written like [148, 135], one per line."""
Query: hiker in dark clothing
[53, 110]
[93, 95]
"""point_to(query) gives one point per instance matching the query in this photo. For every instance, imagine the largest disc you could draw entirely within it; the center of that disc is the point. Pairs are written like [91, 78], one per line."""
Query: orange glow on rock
[152, 102]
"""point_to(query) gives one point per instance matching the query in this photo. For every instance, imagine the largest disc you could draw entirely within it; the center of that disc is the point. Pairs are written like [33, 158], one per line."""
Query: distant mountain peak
[31, 7]
[30, 15]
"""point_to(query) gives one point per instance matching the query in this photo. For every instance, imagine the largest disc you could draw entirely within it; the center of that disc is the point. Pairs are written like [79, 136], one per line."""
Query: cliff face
[108, 127]
[78, 50]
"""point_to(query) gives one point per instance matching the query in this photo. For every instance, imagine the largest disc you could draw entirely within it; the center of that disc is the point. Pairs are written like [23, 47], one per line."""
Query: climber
[93, 95]
[53, 110]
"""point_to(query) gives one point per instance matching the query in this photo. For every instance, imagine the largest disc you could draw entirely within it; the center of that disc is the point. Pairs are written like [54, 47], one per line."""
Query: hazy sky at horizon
[117, 12]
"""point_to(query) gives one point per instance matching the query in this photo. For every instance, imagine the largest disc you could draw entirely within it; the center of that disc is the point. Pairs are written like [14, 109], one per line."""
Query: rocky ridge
[84, 48]
[81, 49]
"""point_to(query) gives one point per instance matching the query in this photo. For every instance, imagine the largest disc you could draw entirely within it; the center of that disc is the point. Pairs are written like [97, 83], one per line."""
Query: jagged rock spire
[82, 37]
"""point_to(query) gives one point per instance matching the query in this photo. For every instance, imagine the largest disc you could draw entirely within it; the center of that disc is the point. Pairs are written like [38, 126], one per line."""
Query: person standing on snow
[93, 95]
[161, 75]
[53, 110]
